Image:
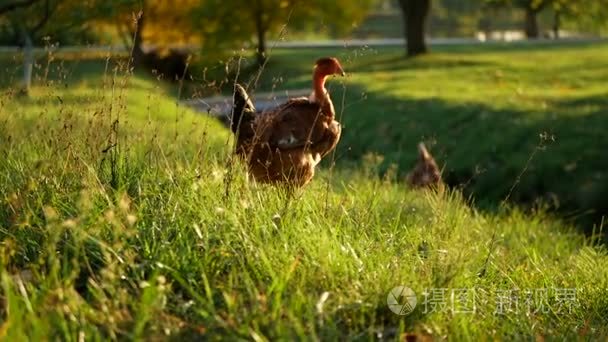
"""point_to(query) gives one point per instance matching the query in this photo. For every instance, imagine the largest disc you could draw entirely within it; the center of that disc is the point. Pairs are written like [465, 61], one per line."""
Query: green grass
[523, 122]
[124, 217]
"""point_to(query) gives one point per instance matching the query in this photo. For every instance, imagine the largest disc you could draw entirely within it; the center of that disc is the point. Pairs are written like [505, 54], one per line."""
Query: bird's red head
[327, 66]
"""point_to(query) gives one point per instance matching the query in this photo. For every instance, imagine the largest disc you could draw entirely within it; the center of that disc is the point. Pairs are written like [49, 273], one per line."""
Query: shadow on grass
[70, 71]
[527, 158]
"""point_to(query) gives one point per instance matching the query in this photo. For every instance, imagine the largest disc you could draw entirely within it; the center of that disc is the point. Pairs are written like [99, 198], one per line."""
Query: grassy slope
[485, 112]
[174, 241]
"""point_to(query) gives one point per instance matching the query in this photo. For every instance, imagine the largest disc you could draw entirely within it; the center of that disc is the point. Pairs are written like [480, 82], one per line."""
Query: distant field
[122, 214]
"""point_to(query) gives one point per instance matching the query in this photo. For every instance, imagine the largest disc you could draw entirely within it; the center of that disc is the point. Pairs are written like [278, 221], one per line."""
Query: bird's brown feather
[287, 143]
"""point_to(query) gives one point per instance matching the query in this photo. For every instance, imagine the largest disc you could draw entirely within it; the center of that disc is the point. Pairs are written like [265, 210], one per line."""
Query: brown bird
[284, 144]
[425, 173]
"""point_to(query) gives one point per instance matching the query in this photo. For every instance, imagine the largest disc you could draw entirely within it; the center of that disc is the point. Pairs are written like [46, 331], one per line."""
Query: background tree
[531, 10]
[26, 19]
[415, 15]
[230, 23]
[155, 24]
[455, 18]
[30, 22]
[585, 15]
[14, 5]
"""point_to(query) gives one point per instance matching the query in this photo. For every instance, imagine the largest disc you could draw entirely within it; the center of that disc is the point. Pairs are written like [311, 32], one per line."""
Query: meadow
[124, 216]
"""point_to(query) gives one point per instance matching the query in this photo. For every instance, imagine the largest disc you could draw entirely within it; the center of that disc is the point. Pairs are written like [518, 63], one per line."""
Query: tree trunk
[138, 53]
[415, 14]
[261, 50]
[261, 36]
[485, 26]
[531, 24]
[557, 21]
[28, 62]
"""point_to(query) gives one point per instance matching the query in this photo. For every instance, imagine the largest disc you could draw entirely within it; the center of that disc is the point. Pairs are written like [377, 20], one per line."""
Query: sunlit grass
[123, 216]
[493, 116]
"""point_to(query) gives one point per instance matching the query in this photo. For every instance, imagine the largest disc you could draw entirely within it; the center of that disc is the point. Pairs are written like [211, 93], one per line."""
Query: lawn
[123, 215]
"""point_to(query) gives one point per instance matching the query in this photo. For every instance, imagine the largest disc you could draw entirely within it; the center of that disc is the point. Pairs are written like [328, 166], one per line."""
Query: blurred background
[508, 94]
[164, 32]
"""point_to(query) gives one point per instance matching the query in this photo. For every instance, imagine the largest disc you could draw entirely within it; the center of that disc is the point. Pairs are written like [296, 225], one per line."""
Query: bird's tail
[243, 109]
[423, 153]
[426, 172]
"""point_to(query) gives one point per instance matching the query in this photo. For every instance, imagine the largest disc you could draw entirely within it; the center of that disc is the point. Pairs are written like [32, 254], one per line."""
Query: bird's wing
[297, 123]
